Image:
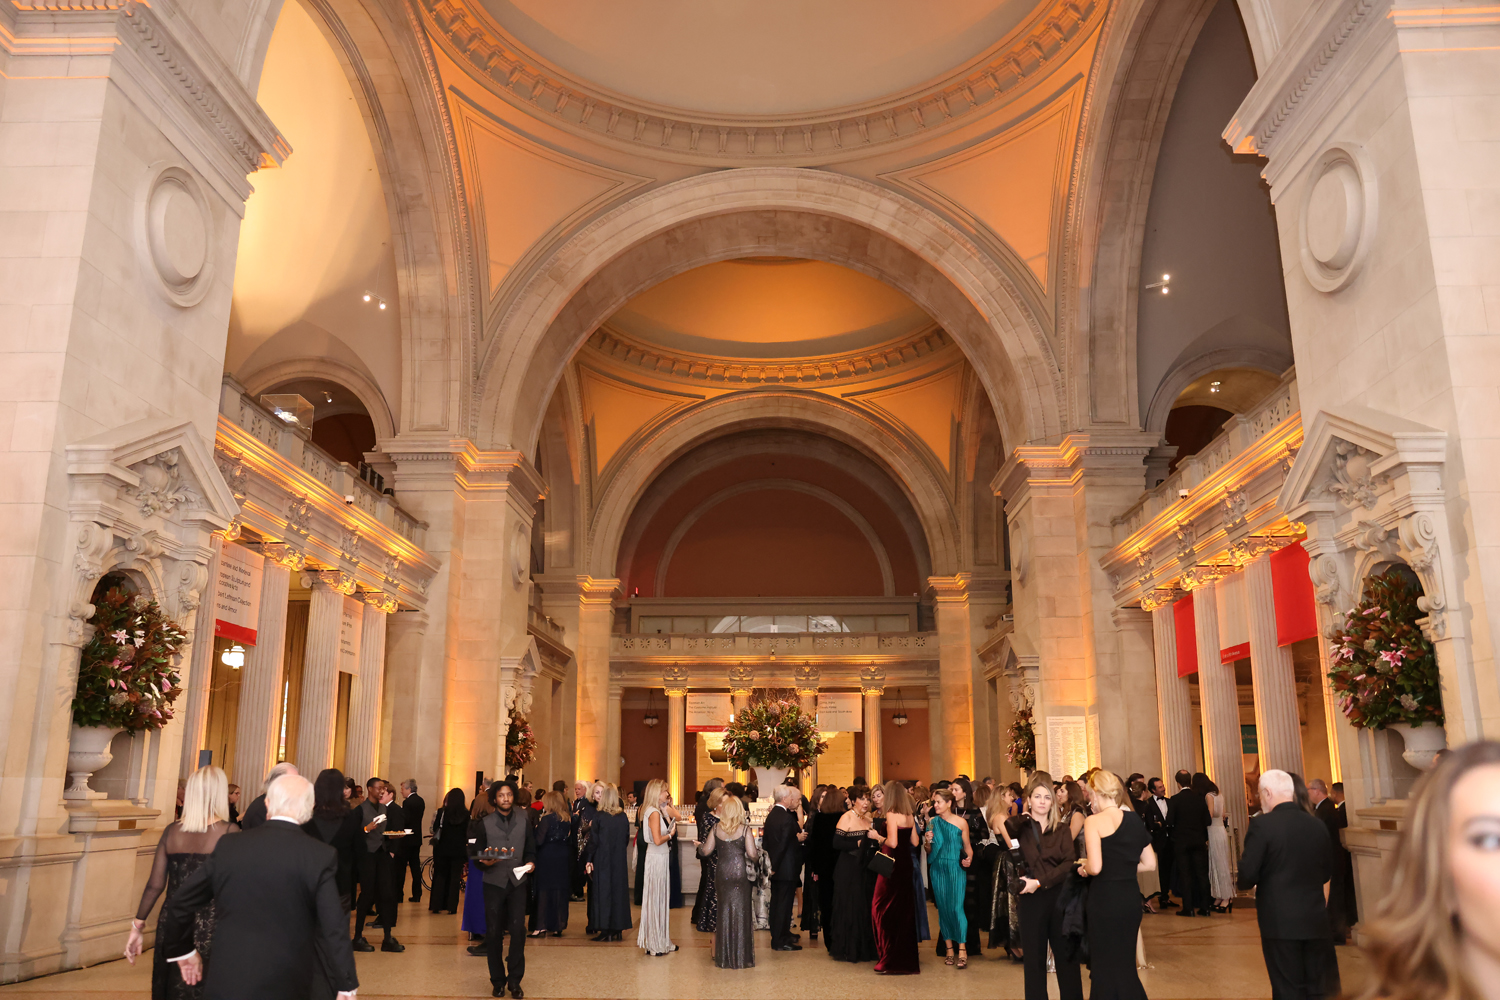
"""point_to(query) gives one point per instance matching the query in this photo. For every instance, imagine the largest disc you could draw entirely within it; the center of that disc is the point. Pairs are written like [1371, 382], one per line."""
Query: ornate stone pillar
[1219, 703]
[320, 670]
[741, 687]
[806, 678]
[674, 680]
[1174, 702]
[613, 737]
[872, 686]
[362, 748]
[955, 674]
[258, 728]
[1278, 728]
[201, 672]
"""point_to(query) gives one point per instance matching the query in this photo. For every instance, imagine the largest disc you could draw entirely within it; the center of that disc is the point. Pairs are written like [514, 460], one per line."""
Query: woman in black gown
[553, 882]
[182, 849]
[450, 851]
[1118, 847]
[605, 864]
[851, 931]
[705, 904]
[338, 826]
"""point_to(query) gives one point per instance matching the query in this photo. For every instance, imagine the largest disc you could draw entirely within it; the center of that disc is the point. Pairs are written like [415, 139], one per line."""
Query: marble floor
[1189, 960]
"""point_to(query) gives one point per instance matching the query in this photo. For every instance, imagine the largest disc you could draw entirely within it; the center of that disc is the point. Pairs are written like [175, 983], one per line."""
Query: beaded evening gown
[851, 932]
[893, 912]
[705, 908]
[178, 856]
[734, 923]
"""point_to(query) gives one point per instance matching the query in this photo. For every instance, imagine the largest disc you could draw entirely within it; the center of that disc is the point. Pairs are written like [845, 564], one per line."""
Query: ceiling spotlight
[382, 301]
[1214, 386]
[1163, 284]
[367, 296]
[327, 396]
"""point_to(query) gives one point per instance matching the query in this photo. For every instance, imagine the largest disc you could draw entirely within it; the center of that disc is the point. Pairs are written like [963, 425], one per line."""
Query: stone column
[194, 713]
[807, 700]
[674, 679]
[407, 685]
[741, 687]
[362, 748]
[612, 729]
[258, 729]
[955, 674]
[872, 686]
[1219, 702]
[936, 736]
[1278, 728]
[1174, 702]
[595, 602]
[320, 670]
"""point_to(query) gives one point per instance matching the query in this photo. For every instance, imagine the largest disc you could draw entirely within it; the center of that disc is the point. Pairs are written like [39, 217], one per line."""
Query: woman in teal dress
[948, 854]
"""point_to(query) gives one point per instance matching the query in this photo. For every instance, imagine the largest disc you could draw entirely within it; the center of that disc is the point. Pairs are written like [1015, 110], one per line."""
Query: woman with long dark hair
[474, 922]
[336, 825]
[823, 857]
[895, 894]
[851, 932]
[1220, 881]
[705, 905]
[450, 851]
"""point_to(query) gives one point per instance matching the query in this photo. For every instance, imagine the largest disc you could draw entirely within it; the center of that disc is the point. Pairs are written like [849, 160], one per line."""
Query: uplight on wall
[1165, 284]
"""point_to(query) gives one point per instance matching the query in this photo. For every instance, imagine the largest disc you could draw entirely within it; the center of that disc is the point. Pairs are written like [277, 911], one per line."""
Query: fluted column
[675, 682]
[1220, 705]
[872, 686]
[320, 670]
[362, 748]
[1278, 728]
[1174, 702]
[258, 728]
[612, 734]
[741, 687]
[194, 713]
[807, 700]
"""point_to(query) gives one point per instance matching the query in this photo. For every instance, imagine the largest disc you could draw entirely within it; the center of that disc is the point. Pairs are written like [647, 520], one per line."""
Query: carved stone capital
[333, 579]
[872, 679]
[1154, 600]
[674, 678]
[380, 601]
[805, 678]
[286, 555]
[741, 679]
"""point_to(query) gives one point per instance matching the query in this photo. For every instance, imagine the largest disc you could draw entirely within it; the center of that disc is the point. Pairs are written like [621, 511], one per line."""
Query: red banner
[1296, 607]
[1187, 636]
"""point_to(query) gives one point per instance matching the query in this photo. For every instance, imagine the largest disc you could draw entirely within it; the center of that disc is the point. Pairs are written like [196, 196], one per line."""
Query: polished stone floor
[1198, 958]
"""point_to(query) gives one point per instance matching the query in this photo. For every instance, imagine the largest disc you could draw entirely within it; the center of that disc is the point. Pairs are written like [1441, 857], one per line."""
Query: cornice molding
[625, 351]
[533, 85]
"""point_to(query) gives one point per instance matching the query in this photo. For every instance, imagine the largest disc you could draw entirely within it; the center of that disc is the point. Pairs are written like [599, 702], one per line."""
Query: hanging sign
[237, 594]
[351, 625]
[1292, 587]
[708, 713]
[1234, 618]
[840, 712]
[1187, 637]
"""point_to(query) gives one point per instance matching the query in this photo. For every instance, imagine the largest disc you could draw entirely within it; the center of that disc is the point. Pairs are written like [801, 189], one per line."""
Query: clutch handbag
[882, 863]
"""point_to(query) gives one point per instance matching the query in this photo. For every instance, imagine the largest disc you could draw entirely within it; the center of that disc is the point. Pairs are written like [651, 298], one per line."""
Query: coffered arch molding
[767, 211]
[755, 409]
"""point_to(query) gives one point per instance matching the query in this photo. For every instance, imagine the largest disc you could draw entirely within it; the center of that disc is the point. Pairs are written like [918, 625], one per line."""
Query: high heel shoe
[963, 960]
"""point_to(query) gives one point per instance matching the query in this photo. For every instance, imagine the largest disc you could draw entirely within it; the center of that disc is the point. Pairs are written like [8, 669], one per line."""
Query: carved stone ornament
[298, 514]
[1236, 505]
[286, 555]
[163, 486]
[1350, 481]
[520, 555]
[1154, 600]
[1337, 223]
[674, 678]
[333, 579]
[1020, 562]
[1197, 576]
[232, 468]
[741, 678]
[806, 678]
[380, 601]
[233, 531]
[1418, 533]
[1186, 536]
[349, 544]
[872, 679]
[1143, 567]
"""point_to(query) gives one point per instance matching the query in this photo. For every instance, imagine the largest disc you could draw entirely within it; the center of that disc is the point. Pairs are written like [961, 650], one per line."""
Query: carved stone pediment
[1347, 457]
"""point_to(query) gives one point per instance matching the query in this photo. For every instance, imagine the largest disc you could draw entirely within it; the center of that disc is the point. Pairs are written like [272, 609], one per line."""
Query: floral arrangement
[1384, 670]
[773, 733]
[520, 744]
[1021, 750]
[127, 675]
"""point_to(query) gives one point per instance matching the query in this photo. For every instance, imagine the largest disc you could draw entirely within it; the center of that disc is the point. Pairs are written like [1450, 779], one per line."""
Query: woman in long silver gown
[660, 819]
[734, 851]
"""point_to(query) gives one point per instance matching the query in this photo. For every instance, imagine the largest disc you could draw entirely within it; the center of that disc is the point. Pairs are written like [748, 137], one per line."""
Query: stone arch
[767, 210]
[1199, 365]
[677, 433]
[327, 368]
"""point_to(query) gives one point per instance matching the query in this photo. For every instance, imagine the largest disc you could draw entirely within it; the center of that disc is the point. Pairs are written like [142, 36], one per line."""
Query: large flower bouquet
[127, 675]
[773, 734]
[520, 744]
[1384, 670]
[1021, 750]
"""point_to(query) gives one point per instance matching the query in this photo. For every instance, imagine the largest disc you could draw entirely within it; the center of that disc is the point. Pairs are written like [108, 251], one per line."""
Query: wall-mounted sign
[351, 625]
[237, 594]
[708, 713]
[1067, 745]
[840, 712]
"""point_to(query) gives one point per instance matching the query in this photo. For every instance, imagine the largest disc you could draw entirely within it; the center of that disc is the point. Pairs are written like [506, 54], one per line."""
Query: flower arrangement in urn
[773, 733]
[520, 743]
[1384, 671]
[127, 675]
[1021, 750]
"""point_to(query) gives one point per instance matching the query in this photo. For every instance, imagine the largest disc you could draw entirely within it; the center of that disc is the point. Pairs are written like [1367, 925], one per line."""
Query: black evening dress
[553, 882]
[851, 930]
[705, 907]
[894, 913]
[734, 920]
[178, 856]
[640, 853]
[823, 857]
[1114, 913]
[609, 885]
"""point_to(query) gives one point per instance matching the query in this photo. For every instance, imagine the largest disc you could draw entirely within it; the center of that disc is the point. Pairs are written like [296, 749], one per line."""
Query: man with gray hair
[1288, 860]
[281, 931]
[1334, 819]
[782, 843]
[256, 814]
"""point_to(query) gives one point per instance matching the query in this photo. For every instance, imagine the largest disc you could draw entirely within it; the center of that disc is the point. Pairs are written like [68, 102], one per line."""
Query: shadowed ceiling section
[727, 520]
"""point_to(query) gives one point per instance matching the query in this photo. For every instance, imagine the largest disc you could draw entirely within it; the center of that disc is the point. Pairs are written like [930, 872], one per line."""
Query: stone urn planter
[1422, 744]
[88, 751]
[767, 778]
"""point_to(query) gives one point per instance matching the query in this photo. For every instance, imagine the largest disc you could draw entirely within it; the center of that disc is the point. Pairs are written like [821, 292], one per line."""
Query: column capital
[442, 462]
[805, 678]
[1200, 577]
[379, 600]
[331, 579]
[872, 680]
[674, 679]
[948, 589]
[284, 554]
[1155, 600]
[741, 679]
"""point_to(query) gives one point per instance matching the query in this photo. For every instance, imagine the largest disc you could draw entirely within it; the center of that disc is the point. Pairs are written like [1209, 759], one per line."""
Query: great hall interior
[970, 371]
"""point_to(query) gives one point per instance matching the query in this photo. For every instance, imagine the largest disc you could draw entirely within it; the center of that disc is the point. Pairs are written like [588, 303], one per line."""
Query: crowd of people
[1055, 875]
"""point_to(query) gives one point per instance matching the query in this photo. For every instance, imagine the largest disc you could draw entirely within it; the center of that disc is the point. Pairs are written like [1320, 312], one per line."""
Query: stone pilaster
[1278, 729]
[258, 727]
[871, 687]
[807, 700]
[741, 687]
[1173, 699]
[612, 741]
[362, 747]
[1135, 687]
[587, 604]
[194, 714]
[955, 674]
[320, 670]
[1219, 703]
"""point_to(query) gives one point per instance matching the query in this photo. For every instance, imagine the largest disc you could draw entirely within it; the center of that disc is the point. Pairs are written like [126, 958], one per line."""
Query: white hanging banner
[708, 712]
[841, 712]
[1234, 618]
[1067, 745]
[351, 628]
[237, 594]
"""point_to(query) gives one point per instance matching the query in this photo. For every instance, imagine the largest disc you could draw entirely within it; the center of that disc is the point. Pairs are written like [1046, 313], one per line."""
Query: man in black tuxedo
[414, 809]
[255, 813]
[1341, 857]
[1288, 860]
[1188, 819]
[280, 927]
[1334, 819]
[782, 842]
[1154, 810]
[378, 863]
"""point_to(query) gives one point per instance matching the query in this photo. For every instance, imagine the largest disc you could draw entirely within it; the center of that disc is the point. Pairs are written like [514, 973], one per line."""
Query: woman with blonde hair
[1436, 933]
[660, 820]
[1118, 847]
[182, 849]
[553, 881]
[732, 846]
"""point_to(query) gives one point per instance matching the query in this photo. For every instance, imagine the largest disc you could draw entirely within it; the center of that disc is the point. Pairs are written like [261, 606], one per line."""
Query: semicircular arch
[327, 368]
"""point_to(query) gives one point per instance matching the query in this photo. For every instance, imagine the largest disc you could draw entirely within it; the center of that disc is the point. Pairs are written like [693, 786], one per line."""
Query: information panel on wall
[351, 623]
[840, 712]
[1067, 745]
[708, 713]
[237, 594]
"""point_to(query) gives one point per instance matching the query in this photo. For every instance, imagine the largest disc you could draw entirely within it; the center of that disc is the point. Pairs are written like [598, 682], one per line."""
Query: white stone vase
[88, 751]
[1422, 744]
[767, 778]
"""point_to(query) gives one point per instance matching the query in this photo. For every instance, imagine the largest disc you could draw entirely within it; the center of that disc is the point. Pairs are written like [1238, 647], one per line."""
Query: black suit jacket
[1287, 859]
[1335, 820]
[1188, 818]
[413, 808]
[255, 815]
[781, 845]
[279, 922]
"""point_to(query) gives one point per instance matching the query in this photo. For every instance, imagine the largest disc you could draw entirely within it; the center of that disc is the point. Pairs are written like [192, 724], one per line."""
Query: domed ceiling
[769, 308]
[758, 58]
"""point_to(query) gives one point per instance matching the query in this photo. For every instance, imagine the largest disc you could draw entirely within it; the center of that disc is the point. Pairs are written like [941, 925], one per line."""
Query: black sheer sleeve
[157, 883]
